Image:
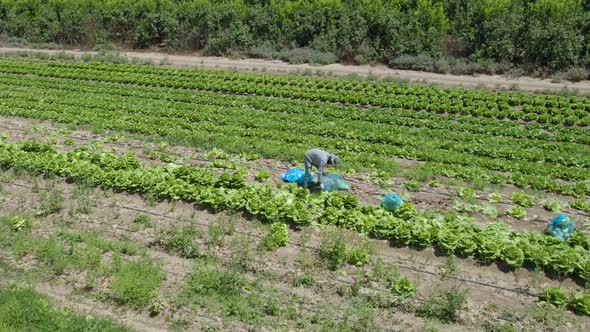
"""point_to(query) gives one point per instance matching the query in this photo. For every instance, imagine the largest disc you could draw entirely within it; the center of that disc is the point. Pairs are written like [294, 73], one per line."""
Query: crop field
[149, 198]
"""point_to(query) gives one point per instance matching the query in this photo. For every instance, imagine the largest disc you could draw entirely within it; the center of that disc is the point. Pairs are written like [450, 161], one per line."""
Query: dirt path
[257, 65]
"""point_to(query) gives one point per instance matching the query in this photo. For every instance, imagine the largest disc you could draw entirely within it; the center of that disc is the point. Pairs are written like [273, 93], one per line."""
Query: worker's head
[333, 160]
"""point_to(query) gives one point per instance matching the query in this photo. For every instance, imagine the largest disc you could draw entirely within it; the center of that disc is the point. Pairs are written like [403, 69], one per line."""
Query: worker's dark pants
[308, 165]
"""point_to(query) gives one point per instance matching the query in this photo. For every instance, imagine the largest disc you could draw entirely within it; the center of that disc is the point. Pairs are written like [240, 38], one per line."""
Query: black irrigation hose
[402, 266]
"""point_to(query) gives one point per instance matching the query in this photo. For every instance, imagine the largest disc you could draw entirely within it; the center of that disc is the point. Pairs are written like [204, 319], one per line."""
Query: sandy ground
[476, 81]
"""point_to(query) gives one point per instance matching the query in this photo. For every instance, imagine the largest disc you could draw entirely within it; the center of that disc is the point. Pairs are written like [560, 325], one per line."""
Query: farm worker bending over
[319, 159]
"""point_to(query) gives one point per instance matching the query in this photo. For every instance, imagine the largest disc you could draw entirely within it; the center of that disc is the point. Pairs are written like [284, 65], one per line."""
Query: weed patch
[444, 306]
[23, 309]
[181, 241]
[136, 283]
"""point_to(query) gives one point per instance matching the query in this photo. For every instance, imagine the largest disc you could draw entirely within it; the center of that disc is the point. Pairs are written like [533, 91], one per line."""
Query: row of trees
[552, 34]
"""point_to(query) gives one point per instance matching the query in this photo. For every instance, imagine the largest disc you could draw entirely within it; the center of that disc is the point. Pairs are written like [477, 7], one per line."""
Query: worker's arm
[321, 172]
[307, 164]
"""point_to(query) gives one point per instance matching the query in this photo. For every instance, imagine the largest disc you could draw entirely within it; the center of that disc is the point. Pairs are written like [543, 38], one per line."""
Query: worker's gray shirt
[319, 159]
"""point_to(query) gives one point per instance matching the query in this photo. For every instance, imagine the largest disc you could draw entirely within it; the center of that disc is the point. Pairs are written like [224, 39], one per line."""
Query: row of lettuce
[174, 98]
[455, 96]
[578, 303]
[297, 207]
[560, 168]
[346, 127]
[547, 109]
[390, 116]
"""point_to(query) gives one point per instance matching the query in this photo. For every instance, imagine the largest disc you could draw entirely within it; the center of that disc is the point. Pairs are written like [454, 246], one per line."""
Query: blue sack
[391, 202]
[295, 175]
[561, 227]
[334, 182]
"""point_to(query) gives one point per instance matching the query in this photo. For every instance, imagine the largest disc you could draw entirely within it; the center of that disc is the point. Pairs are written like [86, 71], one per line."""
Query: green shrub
[442, 66]
[92, 240]
[360, 59]
[420, 62]
[142, 219]
[307, 55]
[86, 258]
[576, 74]
[136, 283]
[459, 67]
[51, 203]
[263, 52]
[206, 281]
[23, 309]
[307, 280]
[444, 306]
[181, 241]
[53, 254]
[86, 57]
[333, 250]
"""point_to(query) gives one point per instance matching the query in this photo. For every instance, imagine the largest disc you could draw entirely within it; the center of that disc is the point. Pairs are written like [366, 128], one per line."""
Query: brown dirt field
[493, 293]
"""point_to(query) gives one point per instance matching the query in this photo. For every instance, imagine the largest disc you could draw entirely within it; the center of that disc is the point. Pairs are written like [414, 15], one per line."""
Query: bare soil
[194, 60]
